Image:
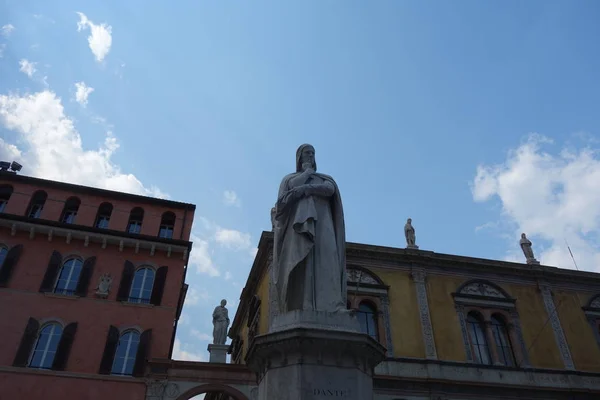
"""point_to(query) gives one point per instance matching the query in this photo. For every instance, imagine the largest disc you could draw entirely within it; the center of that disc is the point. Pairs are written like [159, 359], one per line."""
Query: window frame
[128, 352]
[104, 214]
[142, 300]
[38, 201]
[363, 285]
[70, 210]
[592, 314]
[45, 325]
[167, 224]
[476, 322]
[136, 219]
[492, 300]
[64, 291]
[371, 315]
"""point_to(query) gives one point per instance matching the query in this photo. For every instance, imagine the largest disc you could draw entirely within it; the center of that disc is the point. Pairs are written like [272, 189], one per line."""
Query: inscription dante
[341, 393]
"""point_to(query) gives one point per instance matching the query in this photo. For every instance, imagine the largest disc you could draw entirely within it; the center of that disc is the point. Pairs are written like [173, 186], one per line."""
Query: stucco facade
[51, 266]
[538, 325]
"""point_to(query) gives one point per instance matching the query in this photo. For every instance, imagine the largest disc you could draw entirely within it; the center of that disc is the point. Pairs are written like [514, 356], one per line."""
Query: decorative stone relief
[50, 232]
[360, 276]
[385, 305]
[460, 309]
[482, 289]
[561, 341]
[514, 316]
[103, 288]
[427, 329]
[595, 303]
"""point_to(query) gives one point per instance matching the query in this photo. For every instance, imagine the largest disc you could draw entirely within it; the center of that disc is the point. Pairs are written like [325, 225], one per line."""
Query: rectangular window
[102, 222]
[166, 231]
[69, 217]
[35, 211]
[134, 227]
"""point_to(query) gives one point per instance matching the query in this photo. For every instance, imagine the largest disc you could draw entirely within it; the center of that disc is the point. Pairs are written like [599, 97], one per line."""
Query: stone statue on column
[220, 323]
[527, 250]
[309, 253]
[409, 233]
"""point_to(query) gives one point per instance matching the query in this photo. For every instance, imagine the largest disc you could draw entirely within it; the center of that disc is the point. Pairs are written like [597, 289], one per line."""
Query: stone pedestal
[309, 356]
[532, 261]
[412, 246]
[218, 353]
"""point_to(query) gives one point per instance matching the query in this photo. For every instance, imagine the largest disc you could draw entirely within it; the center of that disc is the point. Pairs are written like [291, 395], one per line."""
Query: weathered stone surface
[218, 353]
[311, 364]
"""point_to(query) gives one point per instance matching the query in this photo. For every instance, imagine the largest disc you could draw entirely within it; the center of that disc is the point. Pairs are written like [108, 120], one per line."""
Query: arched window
[46, 346]
[5, 193]
[103, 216]
[167, 223]
[504, 348]
[37, 204]
[481, 348]
[126, 352]
[136, 217]
[367, 316]
[141, 287]
[68, 277]
[70, 211]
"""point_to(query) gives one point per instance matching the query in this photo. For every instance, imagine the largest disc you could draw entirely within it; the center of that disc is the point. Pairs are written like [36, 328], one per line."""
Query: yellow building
[457, 327]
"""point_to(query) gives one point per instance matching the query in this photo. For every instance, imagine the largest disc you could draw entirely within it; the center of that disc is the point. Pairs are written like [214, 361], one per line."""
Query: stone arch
[212, 387]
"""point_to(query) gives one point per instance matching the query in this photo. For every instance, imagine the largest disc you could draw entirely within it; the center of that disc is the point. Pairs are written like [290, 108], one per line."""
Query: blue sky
[477, 119]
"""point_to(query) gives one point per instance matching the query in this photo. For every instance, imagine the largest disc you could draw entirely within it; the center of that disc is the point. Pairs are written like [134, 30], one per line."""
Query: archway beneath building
[216, 390]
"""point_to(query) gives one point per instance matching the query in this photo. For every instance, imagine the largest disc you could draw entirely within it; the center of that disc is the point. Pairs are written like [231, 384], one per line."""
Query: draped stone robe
[309, 251]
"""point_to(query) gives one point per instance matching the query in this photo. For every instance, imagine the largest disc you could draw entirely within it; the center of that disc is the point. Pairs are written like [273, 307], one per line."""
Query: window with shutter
[141, 288]
[126, 351]
[51, 272]
[8, 261]
[68, 277]
[27, 341]
[46, 346]
[126, 280]
[108, 356]
[159, 285]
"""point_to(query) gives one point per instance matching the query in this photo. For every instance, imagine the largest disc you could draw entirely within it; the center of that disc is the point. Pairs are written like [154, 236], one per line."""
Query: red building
[91, 286]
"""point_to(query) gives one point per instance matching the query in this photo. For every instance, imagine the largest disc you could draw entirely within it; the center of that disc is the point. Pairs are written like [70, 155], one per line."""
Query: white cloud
[552, 197]
[27, 67]
[227, 275]
[51, 147]
[232, 239]
[201, 336]
[230, 198]
[7, 29]
[194, 297]
[2, 48]
[82, 93]
[200, 257]
[180, 354]
[100, 39]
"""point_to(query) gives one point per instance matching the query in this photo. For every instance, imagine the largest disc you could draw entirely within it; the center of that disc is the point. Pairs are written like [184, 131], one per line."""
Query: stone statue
[409, 233]
[273, 222]
[104, 283]
[527, 250]
[309, 255]
[220, 323]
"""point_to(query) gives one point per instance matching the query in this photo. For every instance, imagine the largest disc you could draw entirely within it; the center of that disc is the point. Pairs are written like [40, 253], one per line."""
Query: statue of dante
[309, 254]
[409, 232]
[526, 247]
[220, 323]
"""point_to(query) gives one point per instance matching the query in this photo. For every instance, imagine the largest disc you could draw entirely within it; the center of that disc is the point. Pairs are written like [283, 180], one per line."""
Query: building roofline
[410, 257]
[13, 177]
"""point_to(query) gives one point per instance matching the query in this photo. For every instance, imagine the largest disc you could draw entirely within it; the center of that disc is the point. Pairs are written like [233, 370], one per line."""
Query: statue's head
[523, 236]
[304, 155]
[223, 303]
[409, 221]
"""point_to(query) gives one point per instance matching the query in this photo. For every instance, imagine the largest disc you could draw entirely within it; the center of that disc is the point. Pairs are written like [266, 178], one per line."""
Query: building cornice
[88, 234]
[73, 188]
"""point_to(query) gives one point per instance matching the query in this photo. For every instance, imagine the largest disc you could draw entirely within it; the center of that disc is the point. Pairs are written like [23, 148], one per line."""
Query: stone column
[385, 308]
[559, 335]
[418, 276]
[487, 325]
